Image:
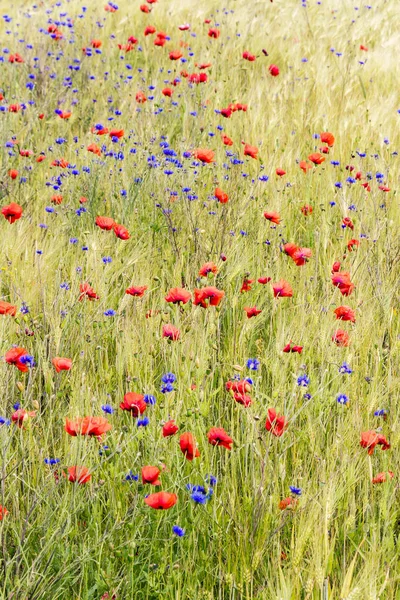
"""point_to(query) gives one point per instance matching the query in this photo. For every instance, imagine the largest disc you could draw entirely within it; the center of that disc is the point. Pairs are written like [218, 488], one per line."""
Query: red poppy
[86, 291]
[345, 313]
[26, 153]
[383, 477]
[94, 149]
[79, 475]
[144, 8]
[13, 357]
[204, 155]
[137, 291]
[221, 196]
[292, 348]
[275, 423]
[57, 199]
[207, 268]
[62, 364]
[65, 114]
[243, 399]
[305, 166]
[288, 502]
[40, 158]
[167, 92]
[370, 439]
[306, 210]
[161, 500]
[121, 232]
[274, 217]
[248, 56]
[150, 475]
[188, 446]
[105, 223]
[252, 311]
[264, 280]
[384, 188]
[226, 112]
[177, 295]
[327, 138]
[210, 293]
[92, 426]
[118, 133]
[240, 387]
[282, 289]
[184, 27]
[21, 415]
[96, 43]
[3, 512]
[316, 158]
[175, 55]
[102, 131]
[149, 30]
[341, 338]
[134, 403]
[169, 428]
[15, 58]
[217, 436]
[324, 149]
[352, 245]
[7, 309]
[214, 33]
[227, 140]
[140, 97]
[343, 282]
[347, 222]
[280, 172]
[171, 332]
[362, 47]
[251, 151]
[336, 267]
[298, 255]
[246, 285]
[12, 212]
[274, 70]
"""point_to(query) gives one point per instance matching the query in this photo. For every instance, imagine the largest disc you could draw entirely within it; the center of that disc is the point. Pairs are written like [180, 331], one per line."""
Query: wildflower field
[199, 295]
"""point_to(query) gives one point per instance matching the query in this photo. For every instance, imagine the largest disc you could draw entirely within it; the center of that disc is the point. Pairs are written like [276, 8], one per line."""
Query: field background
[65, 541]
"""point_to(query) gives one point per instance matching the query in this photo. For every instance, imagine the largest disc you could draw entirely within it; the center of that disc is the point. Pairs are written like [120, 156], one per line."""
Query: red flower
[13, 357]
[280, 172]
[238, 387]
[96, 43]
[341, 338]
[275, 423]
[274, 70]
[140, 97]
[288, 502]
[171, 332]
[134, 403]
[290, 348]
[94, 149]
[62, 364]
[327, 138]
[137, 291]
[175, 55]
[87, 292]
[353, 245]
[121, 232]
[188, 446]
[342, 281]
[345, 313]
[21, 415]
[250, 150]
[214, 33]
[316, 158]
[13, 173]
[264, 280]
[105, 223]
[252, 311]
[57, 199]
[7, 309]
[92, 426]
[169, 428]
[118, 133]
[208, 293]
[306, 210]
[336, 267]
[207, 268]
[282, 289]
[347, 222]
[15, 58]
[176, 295]
[243, 399]
[226, 112]
[3, 512]
[379, 478]
[370, 439]
[221, 196]
[79, 475]
[227, 140]
[248, 56]
[305, 166]
[204, 155]
[217, 436]
[149, 30]
[161, 500]
[273, 217]
[12, 212]
[150, 475]
[298, 255]
[167, 92]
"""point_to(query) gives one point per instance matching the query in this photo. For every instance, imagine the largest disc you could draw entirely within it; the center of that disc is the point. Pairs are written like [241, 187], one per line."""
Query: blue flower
[27, 359]
[211, 480]
[109, 313]
[253, 364]
[149, 399]
[51, 461]
[143, 422]
[198, 497]
[168, 378]
[303, 380]
[131, 477]
[4, 421]
[345, 368]
[381, 412]
[295, 490]
[178, 531]
[108, 409]
[342, 399]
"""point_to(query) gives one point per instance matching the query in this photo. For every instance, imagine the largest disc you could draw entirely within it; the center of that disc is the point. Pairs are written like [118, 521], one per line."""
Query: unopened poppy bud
[20, 386]
[35, 404]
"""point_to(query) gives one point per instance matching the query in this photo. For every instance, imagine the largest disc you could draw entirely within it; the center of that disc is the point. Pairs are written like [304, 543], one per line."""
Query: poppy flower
[177, 295]
[26, 153]
[3, 512]
[161, 500]
[252, 311]
[96, 43]
[305, 166]
[370, 439]
[364, 48]
[384, 188]
[274, 217]
[149, 30]
[184, 27]
[327, 138]
[251, 151]
[264, 280]
[347, 222]
[280, 172]
[282, 289]
[227, 140]
[21, 415]
[144, 8]
[207, 268]
[288, 502]
[324, 149]
[221, 196]
[92, 426]
[383, 477]
[274, 70]
[208, 293]
[7, 309]
[248, 56]
[188, 446]
[79, 475]
[13, 173]
[175, 55]
[121, 232]
[63, 114]
[246, 285]
[217, 436]
[275, 423]
[243, 399]
[15, 58]
[57, 199]
[171, 332]
[94, 149]
[86, 291]
[150, 475]
[226, 112]
[298, 255]
[306, 210]
[316, 158]
[134, 403]
[292, 348]
[240, 387]
[366, 186]
[140, 97]
[343, 282]
[167, 92]
[204, 155]
[13, 357]
[352, 245]
[12, 212]
[136, 291]
[118, 133]
[336, 267]
[105, 223]
[345, 313]
[213, 32]
[62, 364]
[169, 428]
[99, 130]
[341, 338]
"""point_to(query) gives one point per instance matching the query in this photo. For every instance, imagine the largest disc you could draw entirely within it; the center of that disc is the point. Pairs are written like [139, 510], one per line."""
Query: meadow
[199, 296]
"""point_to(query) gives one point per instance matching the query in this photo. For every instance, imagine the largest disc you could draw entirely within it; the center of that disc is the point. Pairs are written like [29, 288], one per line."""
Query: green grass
[65, 541]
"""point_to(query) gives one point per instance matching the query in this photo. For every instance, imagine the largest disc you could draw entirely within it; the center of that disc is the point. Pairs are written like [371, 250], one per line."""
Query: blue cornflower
[342, 399]
[168, 378]
[295, 490]
[178, 531]
[211, 479]
[198, 497]
[131, 477]
[17, 406]
[303, 380]
[4, 421]
[106, 259]
[253, 364]
[109, 313]
[345, 368]
[108, 409]
[64, 286]
[143, 422]
[27, 359]
[381, 412]
[51, 461]
[24, 309]
[149, 399]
